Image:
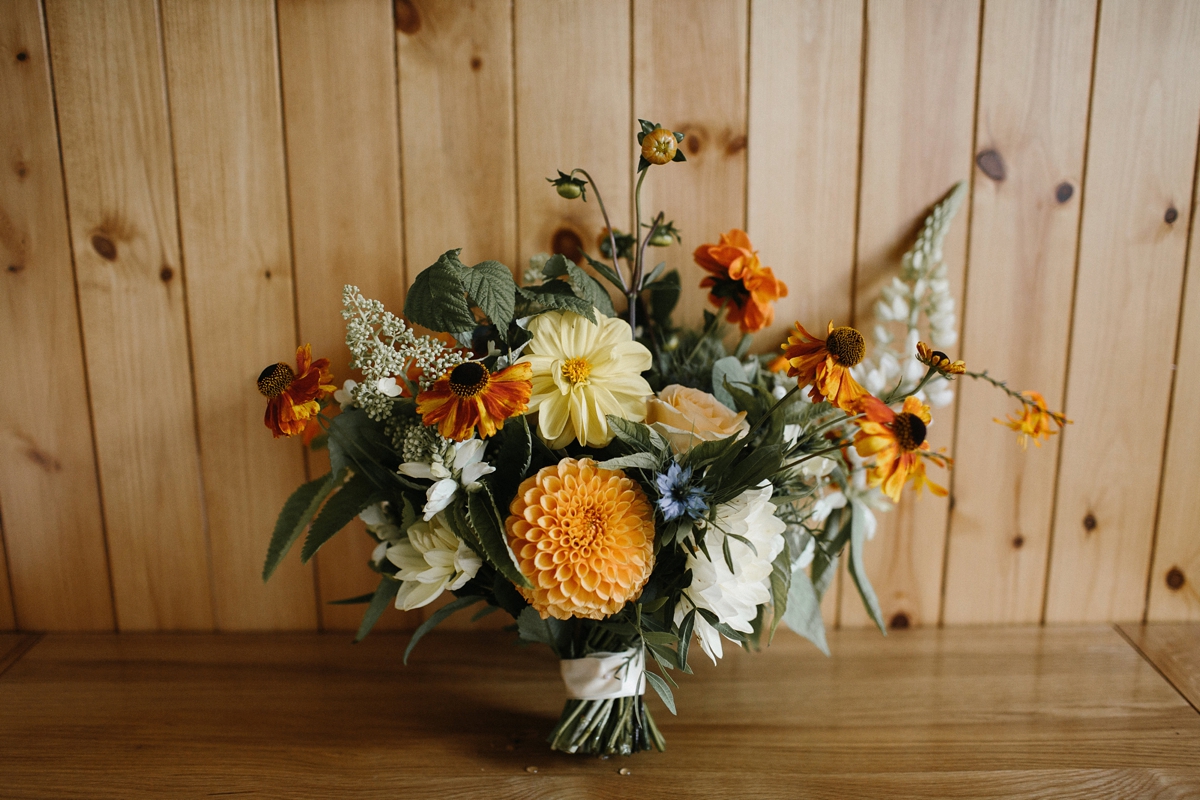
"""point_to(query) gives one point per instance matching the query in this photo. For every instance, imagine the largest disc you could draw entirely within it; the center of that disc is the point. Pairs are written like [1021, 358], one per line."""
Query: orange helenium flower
[826, 364]
[469, 395]
[740, 279]
[293, 396]
[898, 443]
[939, 360]
[584, 537]
[1036, 421]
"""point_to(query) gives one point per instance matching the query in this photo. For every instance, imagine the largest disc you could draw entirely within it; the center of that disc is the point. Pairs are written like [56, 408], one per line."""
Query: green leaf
[858, 537]
[557, 296]
[654, 273]
[512, 449]
[727, 368]
[664, 691]
[685, 639]
[486, 522]
[584, 285]
[353, 601]
[604, 269]
[664, 296]
[550, 631]
[663, 638]
[342, 508]
[436, 618]
[762, 463]
[297, 512]
[825, 579]
[385, 595]
[633, 461]
[491, 286]
[803, 614]
[634, 434]
[781, 579]
[437, 299]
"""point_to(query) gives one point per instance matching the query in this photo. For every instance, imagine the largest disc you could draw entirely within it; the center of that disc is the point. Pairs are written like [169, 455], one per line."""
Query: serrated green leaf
[634, 434]
[486, 522]
[436, 618]
[385, 595]
[490, 286]
[339, 511]
[584, 285]
[297, 512]
[437, 298]
[781, 581]
[857, 569]
[632, 461]
[557, 296]
[664, 692]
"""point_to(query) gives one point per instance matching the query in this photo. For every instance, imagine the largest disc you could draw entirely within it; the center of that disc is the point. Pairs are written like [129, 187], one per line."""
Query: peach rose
[687, 417]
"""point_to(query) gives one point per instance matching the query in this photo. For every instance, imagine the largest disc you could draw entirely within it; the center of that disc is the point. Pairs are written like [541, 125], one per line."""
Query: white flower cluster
[460, 464]
[430, 558]
[921, 290]
[384, 348]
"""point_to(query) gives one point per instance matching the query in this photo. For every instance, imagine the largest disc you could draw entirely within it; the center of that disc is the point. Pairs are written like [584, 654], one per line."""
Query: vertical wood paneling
[1175, 573]
[8, 619]
[1035, 78]
[805, 75]
[456, 118]
[802, 182]
[572, 112]
[1141, 158]
[339, 90]
[223, 83]
[690, 67]
[117, 162]
[49, 497]
[919, 108]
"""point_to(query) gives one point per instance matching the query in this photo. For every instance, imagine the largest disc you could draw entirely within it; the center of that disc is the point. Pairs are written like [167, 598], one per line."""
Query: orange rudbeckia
[293, 395]
[1036, 421]
[898, 443]
[470, 395]
[740, 279]
[826, 363]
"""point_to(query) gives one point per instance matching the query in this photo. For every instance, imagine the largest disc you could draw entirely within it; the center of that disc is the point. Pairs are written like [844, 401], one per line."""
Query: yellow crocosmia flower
[1036, 422]
[583, 372]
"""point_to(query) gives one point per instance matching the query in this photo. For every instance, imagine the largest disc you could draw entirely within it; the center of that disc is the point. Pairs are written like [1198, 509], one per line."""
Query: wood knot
[735, 145]
[1018, 542]
[567, 242]
[23, 55]
[992, 164]
[1175, 579]
[267, 274]
[1064, 192]
[476, 63]
[1089, 522]
[899, 621]
[104, 247]
[166, 273]
[43, 459]
[21, 169]
[694, 139]
[408, 19]
[1171, 216]
[16, 268]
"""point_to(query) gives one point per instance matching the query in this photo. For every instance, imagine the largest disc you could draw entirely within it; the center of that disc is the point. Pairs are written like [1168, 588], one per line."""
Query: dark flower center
[275, 379]
[469, 379]
[909, 430]
[938, 357]
[846, 345]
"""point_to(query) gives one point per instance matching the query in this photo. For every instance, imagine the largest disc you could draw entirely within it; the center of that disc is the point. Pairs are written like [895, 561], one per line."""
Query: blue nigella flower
[679, 498]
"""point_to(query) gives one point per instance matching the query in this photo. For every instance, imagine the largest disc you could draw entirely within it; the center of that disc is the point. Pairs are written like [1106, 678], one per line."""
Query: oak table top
[1059, 712]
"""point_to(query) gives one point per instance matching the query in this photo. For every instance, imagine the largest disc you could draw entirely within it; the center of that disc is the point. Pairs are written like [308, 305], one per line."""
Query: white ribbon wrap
[604, 676]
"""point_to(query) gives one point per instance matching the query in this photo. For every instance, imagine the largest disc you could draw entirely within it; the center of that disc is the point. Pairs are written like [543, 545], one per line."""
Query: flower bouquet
[621, 486]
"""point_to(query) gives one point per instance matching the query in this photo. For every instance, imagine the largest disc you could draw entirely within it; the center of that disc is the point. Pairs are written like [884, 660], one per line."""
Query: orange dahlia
[1036, 421]
[470, 395]
[898, 443]
[826, 363]
[293, 396]
[584, 537]
[740, 279]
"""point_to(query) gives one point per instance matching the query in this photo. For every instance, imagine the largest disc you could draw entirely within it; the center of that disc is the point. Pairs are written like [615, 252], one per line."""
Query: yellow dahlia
[584, 371]
[584, 537]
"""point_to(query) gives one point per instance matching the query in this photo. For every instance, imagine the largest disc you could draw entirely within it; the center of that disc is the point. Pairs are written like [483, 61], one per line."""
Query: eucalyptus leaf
[436, 618]
[803, 614]
[781, 580]
[727, 368]
[858, 537]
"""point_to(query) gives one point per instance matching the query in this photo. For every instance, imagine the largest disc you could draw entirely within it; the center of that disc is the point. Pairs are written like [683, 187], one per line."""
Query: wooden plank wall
[186, 187]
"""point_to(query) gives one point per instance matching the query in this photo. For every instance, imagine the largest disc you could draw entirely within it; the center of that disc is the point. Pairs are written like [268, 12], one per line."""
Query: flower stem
[1013, 393]
[612, 239]
[631, 292]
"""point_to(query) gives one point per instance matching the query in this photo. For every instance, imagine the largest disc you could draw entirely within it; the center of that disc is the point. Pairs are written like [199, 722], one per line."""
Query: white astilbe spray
[384, 348]
[922, 290]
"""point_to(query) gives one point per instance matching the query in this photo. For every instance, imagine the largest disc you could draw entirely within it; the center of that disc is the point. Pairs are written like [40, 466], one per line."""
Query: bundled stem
[618, 726]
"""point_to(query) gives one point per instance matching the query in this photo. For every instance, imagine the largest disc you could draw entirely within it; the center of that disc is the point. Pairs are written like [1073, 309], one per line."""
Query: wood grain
[8, 618]
[456, 121]
[689, 75]
[49, 496]
[1175, 571]
[991, 712]
[805, 81]
[13, 646]
[223, 81]
[917, 133]
[339, 90]
[1034, 83]
[117, 161]
[1174, 649]
[572, 112]
[1141, 159]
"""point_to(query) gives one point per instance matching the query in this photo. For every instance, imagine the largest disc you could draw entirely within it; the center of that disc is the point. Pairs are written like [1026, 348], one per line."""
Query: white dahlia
[734, 597]
[431, 560]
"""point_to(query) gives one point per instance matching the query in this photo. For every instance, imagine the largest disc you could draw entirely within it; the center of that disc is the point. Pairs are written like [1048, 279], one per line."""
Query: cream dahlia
[584, 537]
[734, 597]
[584, 371]
[431, 560]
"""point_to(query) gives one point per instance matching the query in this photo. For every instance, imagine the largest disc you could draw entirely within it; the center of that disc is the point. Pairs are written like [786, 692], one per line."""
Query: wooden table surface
[1060, 712]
